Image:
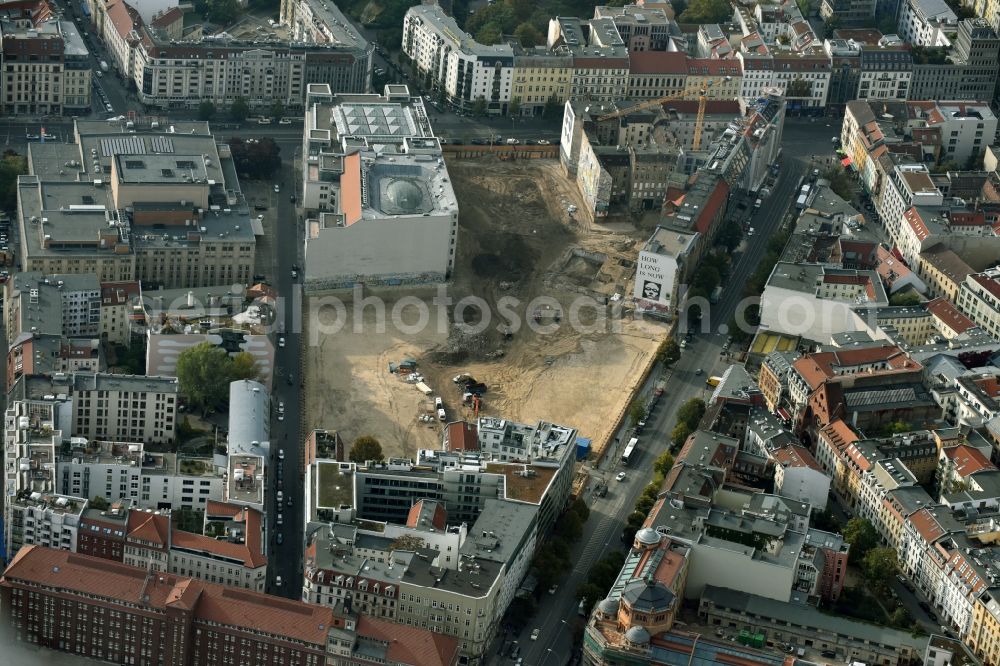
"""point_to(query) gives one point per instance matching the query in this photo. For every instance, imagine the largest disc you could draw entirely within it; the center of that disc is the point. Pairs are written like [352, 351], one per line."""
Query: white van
[281, 497]
[441, 414]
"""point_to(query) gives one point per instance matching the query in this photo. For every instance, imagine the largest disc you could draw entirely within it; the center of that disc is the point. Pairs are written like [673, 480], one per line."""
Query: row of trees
[239, 110]
[553, 558]
[878, 564]
[688, 417]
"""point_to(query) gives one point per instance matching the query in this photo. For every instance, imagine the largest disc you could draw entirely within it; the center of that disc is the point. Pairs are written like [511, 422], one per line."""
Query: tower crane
[701, 91]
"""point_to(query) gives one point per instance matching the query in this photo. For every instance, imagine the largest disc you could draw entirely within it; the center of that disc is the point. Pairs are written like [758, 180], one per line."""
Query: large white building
[170, 68]
[979, 300]
[385, 210]
[663, 265]
[465, 71]
[926, 22]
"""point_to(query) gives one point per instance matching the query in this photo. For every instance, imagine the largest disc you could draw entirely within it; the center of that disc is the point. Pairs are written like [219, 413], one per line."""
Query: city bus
[629, 449]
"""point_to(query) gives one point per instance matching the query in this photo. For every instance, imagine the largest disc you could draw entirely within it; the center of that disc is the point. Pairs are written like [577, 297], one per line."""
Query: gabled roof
[409, 645]
[967, 460]
[151, 527]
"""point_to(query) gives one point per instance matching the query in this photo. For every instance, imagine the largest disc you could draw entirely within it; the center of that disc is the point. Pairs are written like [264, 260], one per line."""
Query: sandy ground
[517, 242]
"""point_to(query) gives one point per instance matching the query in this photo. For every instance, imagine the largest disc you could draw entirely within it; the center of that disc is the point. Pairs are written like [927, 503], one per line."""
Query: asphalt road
[286, 559]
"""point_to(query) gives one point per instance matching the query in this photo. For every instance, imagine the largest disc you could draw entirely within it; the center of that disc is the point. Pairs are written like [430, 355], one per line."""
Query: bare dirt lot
[551, 347]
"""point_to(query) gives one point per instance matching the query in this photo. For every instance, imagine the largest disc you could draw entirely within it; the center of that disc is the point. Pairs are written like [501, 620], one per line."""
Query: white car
[281, 407]
[552, 590]
[285, 121]
[281, 454]
[281, 341]
[620, 477]
[281, 416]
[276, 188]
[750, 231]
[544, 142]
[534, 634]
[277, 581]
[438, 403]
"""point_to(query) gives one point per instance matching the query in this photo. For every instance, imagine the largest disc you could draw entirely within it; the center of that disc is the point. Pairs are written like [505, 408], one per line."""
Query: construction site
[548, 333]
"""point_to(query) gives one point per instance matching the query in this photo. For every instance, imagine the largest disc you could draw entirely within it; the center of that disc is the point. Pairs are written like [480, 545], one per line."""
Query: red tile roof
[119, 293]
[795, 456]
[439, 518]
[250, 552]
[124, 20]
[916, 223]
[839, 434]
[410, 645]
[150, 527]
[967, 460]
[927, 525]
[241, 609]
[463, 436]
[817, 368]
[169, 16]
[986, 282]
[945, 312]
[658, 62]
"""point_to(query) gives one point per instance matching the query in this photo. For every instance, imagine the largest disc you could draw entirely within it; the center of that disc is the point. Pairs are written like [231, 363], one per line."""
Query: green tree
[528, 35]
[636, 412]
[277, 110]
[553, 107]
[879, 566]
[635, 520]
[730, 235]
[203, 372]
[365, 448]
[243, 366]
[479, 106]
[12, 166]
[690, 412]
[839, 183]
[239, 110]
[668, 353]
[206, 110]
[489, 34]
[707, 11]
[222, 12]
[824, 520]
[799, 88]
[679, 434]
[580, 508]
[663, 463]
[591, 594]
[862, 536]
[514, 107]
[569, 527]
[99, 503]
[907, 298]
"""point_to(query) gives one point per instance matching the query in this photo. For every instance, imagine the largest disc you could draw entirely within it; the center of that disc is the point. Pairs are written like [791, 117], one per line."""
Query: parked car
[281, 341]
[277, 188]
[279, 538]
[620, 477]
[534, 633]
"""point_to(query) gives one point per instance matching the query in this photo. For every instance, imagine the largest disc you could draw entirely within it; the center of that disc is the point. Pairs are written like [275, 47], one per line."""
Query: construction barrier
[503, 151]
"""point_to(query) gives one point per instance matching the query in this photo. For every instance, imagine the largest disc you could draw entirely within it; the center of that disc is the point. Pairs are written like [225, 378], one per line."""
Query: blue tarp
[582, 447]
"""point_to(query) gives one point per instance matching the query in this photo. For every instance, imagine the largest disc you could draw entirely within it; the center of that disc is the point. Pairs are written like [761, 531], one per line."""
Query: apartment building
[119, 304]
[848, 12]
[460, 591]
[542, 80]
[466, 72]
[114, 612]
[943, 271]
[313, 43]
[665, 263]
[642, 27]
[655, 74]
[803, 78]
[42, 519]
[886, 70]
[979, 300]
[533, 463]
[926, 22]
[163, 207]
[231, 552]
[133, 408]
[963, 72]
[46, 63]
[57, 305]
[102, 531]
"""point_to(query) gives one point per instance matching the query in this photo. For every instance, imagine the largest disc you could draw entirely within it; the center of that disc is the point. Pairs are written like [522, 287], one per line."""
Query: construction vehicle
[701, 91]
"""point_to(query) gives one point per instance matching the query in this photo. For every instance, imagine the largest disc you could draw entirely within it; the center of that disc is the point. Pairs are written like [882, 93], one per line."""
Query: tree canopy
[256, 158]
[366, 448]
[862, 536]
[205, 372]
[706, 11]
[239, 110]
[206, 110]
[11, 166]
